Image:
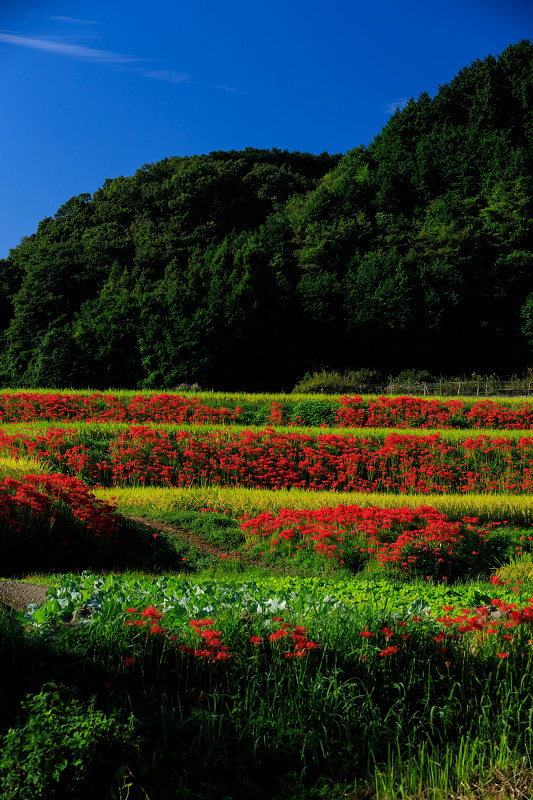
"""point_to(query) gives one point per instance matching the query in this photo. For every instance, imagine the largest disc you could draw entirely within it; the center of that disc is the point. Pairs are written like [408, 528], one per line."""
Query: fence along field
[396, 544]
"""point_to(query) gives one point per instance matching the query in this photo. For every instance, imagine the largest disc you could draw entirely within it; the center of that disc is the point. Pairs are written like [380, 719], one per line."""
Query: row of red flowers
[397, 463]
[31, 406]
[212, 648]
[417, 540]
[381, 412]
[510, 626]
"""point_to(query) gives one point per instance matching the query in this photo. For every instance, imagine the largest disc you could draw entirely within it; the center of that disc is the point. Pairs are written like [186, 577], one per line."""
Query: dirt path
[197, 541]
[187, 536]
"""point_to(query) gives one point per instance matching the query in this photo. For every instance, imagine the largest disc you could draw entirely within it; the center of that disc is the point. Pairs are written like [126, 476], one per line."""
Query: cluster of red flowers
[399, 412]
[484, 623]
[331, 462]
[388, 633]
[149, 619]
[39, 494]
[389, 638]
[417, 412]
[276, 414]
[53, 447]
[294, 636]
[212, 648]
[401, 536]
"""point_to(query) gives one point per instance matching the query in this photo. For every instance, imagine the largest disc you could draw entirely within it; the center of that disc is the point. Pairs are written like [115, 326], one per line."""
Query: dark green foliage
[63, 748]
[243, 270]
[315, 412]
[413, 376]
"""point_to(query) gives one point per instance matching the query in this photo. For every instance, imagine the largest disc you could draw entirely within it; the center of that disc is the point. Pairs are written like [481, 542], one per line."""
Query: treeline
[245, 270]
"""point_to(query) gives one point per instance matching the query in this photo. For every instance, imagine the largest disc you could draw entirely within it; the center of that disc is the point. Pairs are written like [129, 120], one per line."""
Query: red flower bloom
[152, 612]
[389, 651]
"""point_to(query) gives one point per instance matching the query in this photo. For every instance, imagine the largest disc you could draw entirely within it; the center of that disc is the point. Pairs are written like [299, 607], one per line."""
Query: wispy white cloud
[168, 75]
[73, 19]
[227, 88]
[73, 50]
[84, 53]
[400, 103]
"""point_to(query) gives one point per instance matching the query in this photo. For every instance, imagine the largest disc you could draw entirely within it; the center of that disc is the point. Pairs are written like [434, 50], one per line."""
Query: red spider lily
[39, 493]
[214, 649]
[269, 459]
[389, 651]
[384, 411]
[152, 613]
[296, 637]
[157, 629]
[400, 536]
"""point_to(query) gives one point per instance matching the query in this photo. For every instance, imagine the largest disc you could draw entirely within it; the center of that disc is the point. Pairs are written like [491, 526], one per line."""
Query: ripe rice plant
[512, 508]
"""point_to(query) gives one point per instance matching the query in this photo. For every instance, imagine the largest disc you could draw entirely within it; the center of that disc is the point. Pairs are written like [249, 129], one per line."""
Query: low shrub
[325, 382]
[60, 744]
[314, 412]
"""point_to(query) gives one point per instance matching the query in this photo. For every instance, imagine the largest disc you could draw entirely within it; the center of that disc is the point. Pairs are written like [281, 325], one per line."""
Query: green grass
[91, 430]
[236, 398]
[343, 719]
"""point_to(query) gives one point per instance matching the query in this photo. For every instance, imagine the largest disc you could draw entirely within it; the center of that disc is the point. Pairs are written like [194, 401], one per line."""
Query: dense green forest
[245, 270]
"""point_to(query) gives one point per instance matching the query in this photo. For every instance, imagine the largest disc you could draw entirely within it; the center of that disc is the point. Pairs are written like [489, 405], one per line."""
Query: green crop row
[84, 432]
[233, 399]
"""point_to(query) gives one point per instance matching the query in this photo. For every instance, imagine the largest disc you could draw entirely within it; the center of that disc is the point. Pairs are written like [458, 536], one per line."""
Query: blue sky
[93, 90]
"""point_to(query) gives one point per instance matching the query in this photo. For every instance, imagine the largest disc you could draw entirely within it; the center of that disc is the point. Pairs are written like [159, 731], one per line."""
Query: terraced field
[296, 596]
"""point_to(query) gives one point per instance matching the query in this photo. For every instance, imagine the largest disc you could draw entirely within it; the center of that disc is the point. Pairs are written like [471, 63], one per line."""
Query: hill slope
[243, 270]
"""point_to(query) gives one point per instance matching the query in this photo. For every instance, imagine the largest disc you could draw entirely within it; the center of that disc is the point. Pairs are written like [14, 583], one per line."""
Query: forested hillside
[244, 270]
